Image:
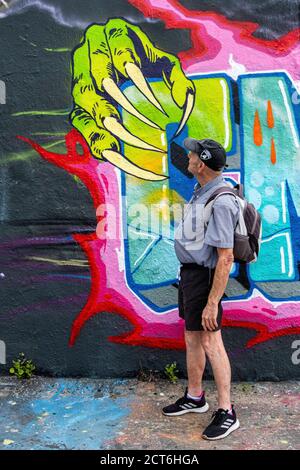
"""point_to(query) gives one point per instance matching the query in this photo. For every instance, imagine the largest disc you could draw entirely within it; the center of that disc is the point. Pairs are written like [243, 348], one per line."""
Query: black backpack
[248, 232]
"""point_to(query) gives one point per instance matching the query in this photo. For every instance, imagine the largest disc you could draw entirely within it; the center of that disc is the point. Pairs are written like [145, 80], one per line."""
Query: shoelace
[217, 417]
[181, 400]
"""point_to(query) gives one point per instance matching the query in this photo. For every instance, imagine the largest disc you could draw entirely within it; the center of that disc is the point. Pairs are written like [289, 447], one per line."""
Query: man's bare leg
[213, 346]
[195, 360]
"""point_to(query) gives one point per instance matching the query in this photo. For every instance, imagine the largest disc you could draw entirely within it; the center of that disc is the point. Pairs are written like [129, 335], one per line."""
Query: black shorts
[195, 282]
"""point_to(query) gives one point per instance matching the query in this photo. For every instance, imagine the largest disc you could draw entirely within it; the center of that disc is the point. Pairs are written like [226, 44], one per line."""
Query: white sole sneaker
[234, 427]
[203, 409]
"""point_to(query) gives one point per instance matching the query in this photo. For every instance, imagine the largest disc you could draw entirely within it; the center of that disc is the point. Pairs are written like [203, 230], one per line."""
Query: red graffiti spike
[257, 132]
[81, 165]
[273, 152]
[270, 116]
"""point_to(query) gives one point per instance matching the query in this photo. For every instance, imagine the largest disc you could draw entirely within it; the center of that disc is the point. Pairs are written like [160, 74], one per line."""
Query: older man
[205, 251]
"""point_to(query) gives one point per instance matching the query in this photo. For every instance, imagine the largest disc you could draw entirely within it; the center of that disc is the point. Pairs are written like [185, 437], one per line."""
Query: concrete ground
[49, 413]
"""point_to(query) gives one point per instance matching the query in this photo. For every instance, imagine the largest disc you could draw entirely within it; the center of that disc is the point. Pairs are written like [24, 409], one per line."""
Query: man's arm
[223, 267]
[220, 234]
[224, 264]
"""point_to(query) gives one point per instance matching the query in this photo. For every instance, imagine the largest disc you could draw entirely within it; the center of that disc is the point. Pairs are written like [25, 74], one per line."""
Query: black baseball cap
[209, 151]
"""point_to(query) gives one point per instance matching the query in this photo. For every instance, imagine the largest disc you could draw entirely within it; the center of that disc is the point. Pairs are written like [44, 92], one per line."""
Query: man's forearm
[220, 279]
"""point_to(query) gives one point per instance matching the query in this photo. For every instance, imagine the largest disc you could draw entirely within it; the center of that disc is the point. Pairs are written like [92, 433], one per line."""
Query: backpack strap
[208, 206]
[223, 190]
[240, 190]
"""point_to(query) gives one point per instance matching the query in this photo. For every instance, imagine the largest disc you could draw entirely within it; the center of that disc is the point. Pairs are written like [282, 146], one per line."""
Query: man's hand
[221, 276]
[209, 317]
[107, 56]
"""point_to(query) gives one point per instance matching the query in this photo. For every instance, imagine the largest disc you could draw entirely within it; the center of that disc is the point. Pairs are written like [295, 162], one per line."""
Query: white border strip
[288, 110]
[283, 186]
[225, 112]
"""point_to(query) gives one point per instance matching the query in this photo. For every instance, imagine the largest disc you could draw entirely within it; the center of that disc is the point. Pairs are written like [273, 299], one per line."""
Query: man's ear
[201, 165]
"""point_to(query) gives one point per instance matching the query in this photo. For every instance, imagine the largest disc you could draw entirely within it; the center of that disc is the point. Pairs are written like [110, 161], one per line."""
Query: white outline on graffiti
[2, 352]
[296, 354]
[2, 92]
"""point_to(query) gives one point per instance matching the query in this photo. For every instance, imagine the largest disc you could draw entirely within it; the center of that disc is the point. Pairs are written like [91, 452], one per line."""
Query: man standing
[205, 251]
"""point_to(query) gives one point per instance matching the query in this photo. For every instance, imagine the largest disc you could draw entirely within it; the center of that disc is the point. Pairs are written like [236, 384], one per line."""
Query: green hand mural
[107, 56]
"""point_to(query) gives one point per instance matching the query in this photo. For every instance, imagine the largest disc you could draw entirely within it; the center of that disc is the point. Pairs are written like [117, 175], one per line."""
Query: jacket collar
[202, 189]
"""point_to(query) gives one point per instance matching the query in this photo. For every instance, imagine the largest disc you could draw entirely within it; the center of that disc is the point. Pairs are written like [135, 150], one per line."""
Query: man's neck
[203, 180]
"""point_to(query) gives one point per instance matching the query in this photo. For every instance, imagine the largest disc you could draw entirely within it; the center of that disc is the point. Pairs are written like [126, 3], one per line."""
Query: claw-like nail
[189, 104]
[114, 91]
[136, 75]
[126, 165]
[116, 128]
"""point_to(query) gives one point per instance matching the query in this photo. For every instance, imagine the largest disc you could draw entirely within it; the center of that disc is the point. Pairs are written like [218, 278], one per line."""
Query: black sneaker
[186, 405]
[222, 424]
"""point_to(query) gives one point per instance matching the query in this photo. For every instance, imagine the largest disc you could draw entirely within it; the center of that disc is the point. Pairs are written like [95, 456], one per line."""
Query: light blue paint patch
[68, 414]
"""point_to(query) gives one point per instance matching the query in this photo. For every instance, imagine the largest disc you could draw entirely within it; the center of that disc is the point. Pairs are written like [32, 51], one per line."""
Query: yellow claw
[114, 91]
[136, 76]
[189, 104]
[118, 160]
[116, 128]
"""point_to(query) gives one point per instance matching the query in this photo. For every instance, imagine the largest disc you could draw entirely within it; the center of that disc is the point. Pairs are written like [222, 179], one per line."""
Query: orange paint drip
[273, 152]
[257, 133]
[270, 116]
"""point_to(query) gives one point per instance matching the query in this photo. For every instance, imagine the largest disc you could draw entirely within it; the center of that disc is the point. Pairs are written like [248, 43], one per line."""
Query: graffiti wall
[95, 102]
